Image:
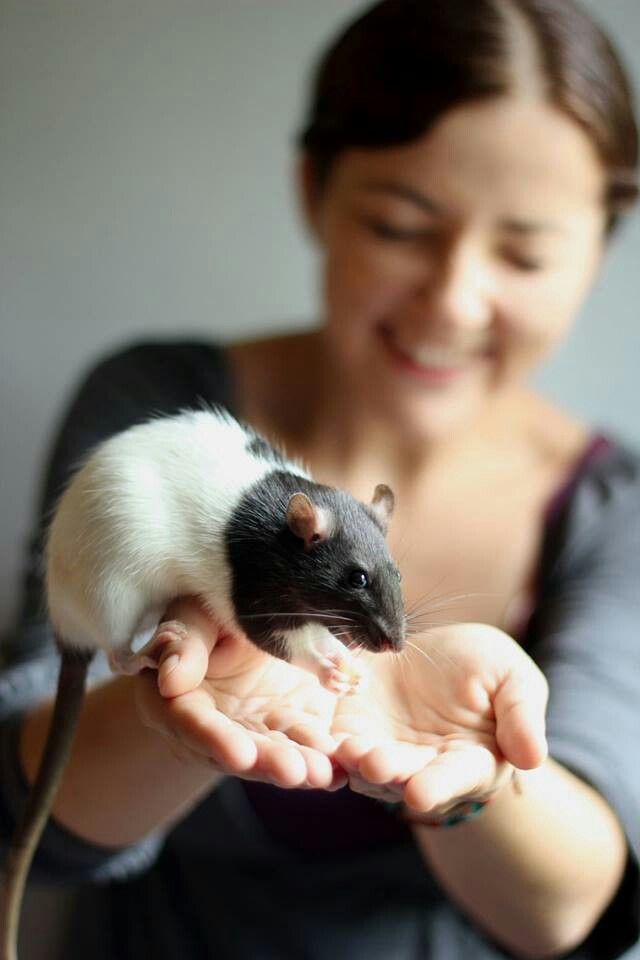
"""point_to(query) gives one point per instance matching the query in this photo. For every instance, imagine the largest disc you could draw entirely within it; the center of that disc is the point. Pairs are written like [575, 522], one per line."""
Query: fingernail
[170, 664]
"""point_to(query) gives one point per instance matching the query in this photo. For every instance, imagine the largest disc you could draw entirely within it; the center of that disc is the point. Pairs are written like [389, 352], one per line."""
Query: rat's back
[142, 522]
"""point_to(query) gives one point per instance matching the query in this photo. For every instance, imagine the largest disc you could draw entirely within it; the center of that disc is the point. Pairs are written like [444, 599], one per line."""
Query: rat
[199, 503]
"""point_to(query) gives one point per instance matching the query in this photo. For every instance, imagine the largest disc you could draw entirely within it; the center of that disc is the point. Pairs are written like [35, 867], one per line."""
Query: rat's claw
[339, 675]
[169, 633]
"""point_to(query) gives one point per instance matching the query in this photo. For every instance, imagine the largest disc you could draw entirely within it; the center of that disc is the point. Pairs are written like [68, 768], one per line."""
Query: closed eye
[527, 264]
[386, 232]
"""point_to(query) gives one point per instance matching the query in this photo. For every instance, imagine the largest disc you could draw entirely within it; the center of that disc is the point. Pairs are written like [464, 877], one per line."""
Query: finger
[452, 776]
[320, 769]
[182, 662]
[181, 646]
[340, 776]
[352, 749]
[387, 792]
[308, 735]
[395, 762]
[520, 706]
[303, 728]
[280, 762]
[193, 720]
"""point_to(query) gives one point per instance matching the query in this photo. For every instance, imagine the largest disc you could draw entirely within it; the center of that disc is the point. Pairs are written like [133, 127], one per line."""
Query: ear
[383, 504]
[308, 195]
[312, 524]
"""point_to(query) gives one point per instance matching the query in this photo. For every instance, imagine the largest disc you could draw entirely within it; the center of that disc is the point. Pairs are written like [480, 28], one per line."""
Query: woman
[461, 170]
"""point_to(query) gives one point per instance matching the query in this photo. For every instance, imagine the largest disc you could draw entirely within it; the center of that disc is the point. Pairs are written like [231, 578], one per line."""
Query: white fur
[142, 523]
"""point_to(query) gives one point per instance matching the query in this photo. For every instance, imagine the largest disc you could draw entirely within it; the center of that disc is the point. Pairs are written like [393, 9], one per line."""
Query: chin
[431, 412]
[430, 425]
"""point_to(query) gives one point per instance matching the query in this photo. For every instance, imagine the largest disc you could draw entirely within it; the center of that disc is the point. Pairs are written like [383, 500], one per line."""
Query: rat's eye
[398, 575]
[358, 578]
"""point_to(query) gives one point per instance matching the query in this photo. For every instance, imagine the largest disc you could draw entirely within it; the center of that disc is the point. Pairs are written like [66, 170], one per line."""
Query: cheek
[362, 280]
[533, 317]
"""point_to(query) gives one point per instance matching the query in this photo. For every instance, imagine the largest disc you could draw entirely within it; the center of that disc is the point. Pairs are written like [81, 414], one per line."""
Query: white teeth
[436, 357]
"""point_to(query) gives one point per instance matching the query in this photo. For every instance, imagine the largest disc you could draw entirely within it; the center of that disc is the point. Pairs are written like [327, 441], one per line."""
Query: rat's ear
[312, 524]
[383, 504]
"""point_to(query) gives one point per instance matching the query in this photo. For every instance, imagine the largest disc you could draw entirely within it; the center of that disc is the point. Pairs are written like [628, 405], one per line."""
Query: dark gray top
[256, 872]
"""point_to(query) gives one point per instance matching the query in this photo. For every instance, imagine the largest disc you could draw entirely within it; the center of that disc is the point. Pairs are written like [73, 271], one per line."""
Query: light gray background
[145, 164]
[145, 160]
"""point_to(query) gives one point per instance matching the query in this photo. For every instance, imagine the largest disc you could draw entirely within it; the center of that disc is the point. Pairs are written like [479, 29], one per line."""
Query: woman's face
[454, 264]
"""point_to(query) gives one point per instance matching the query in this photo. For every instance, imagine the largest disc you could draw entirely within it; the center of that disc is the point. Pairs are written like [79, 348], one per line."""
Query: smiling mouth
[432, 363]
[435, 356]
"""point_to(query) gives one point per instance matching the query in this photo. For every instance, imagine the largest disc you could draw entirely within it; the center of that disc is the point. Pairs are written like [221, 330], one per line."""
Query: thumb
[182, 660]
[182, 647]
[519, 706]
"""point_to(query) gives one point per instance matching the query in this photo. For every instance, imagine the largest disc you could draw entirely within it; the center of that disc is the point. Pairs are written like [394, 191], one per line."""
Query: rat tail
[69, 696]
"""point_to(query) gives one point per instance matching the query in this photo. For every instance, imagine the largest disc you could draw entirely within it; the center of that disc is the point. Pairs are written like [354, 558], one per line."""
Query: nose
[456, 296]
[393, 639]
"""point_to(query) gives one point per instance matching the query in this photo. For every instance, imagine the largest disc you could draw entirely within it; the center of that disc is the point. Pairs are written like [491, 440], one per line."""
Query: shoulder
[590, 463]
[607, 481]
[148, 378]
[175, 363]
[606, 490]
[271, 378]
[596, 529]
[556, 437]
[594, 479]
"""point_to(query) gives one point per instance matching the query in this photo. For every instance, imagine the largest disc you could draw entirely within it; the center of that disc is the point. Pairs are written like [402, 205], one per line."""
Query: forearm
[535, 869]
[122, 781]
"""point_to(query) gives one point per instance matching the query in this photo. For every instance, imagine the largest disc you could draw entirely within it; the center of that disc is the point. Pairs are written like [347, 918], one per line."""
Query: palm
[426, 720]
[431, 726]
[251, 715]
[269, 696]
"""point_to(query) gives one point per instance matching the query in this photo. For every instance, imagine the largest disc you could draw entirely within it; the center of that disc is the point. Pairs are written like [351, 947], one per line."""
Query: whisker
[447, 598]
[399, 659]
[285, 613]
[430, 593]
[430, 659]
[334, 611]
[426, 625]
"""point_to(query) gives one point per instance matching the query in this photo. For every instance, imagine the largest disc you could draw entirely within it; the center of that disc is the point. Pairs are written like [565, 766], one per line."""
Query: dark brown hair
[399, 66]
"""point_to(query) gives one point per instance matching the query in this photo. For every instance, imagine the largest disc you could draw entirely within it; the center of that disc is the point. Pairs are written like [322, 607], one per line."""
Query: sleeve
[123, 389]
[585, 636]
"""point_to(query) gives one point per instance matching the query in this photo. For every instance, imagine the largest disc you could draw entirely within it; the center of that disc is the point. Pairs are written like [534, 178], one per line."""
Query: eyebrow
[525, 227]
[509, 224]
[403, 191]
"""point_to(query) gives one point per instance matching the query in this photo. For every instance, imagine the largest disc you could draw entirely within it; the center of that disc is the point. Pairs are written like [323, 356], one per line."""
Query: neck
[321, 417]
[347, 441]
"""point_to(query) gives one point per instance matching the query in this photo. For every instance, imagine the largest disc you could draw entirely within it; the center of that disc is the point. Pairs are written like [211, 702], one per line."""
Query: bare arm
[535, 869]
[141, 760]
[123, 780]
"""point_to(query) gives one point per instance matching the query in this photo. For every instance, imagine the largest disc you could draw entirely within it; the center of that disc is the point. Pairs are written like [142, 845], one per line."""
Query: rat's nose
[392, 640]
[396, 635]
[395, 645]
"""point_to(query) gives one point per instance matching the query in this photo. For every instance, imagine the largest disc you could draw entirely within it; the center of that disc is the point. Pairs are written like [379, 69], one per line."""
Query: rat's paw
[340, 675]
[171, 646]
[168, 634]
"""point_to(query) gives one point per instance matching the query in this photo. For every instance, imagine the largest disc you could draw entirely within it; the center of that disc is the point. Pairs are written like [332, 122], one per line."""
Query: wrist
[461, 812]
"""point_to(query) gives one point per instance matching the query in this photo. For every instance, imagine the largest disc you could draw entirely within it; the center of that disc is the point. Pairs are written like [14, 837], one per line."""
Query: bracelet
[462, 812]
[459, 814]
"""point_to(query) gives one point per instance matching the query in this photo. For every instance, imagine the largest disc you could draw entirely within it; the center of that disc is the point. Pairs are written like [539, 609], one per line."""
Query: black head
[303, 552]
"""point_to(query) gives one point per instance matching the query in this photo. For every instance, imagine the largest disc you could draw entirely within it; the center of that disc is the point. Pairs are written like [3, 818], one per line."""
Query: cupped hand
[220, 701]
[445, 721]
